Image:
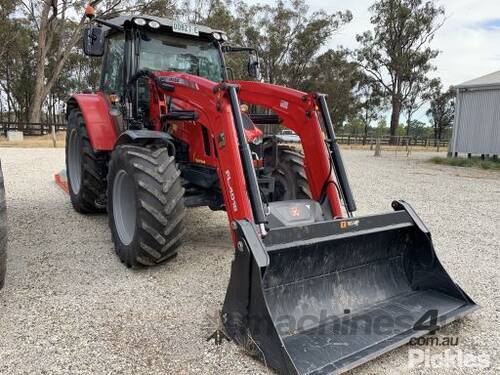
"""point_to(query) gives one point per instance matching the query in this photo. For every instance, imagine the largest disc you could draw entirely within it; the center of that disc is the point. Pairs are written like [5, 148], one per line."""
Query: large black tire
[145, 205]
[290, 180]
[3, 231]
[86, 168]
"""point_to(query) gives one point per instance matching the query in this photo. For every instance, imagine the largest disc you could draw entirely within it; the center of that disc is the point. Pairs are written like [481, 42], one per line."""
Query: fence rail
[370, 139]
[37, 129]
[349, 139]
[32, 129]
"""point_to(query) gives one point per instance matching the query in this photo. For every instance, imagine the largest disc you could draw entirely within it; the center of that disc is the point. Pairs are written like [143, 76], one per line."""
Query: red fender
[99, 123]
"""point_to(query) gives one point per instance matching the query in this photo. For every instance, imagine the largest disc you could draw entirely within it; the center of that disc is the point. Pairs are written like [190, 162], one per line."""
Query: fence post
[378, 148]
[54, 138]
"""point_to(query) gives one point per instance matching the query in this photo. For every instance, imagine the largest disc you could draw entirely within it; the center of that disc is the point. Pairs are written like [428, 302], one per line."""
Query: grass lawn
[475, 162]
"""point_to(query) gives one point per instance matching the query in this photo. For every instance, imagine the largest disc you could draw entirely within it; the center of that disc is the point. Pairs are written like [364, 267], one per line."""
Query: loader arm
[298, 111]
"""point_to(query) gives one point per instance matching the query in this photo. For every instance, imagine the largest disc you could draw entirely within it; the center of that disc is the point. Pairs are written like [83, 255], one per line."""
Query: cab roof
[164, 22]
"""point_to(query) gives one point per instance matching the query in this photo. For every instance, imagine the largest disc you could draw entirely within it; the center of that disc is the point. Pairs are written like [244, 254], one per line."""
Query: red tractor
[169, 130]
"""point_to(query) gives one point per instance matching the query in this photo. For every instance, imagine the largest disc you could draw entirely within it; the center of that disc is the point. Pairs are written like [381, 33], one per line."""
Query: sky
[468, 41]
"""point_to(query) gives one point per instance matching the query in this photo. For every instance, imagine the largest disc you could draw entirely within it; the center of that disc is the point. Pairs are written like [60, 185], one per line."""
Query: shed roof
[492, 79]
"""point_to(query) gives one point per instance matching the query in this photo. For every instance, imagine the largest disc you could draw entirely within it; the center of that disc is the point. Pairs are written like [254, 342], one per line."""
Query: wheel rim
[75, 161]
[124, 206]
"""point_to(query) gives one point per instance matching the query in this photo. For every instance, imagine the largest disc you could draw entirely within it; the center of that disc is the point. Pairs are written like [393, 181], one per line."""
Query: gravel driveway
[69, 305]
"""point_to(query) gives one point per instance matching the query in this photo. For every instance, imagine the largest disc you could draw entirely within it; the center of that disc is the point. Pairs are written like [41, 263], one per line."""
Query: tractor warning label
[345, 224]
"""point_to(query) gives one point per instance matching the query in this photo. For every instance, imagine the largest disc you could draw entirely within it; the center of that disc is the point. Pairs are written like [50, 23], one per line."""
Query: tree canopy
[41, 61]
[397, 52]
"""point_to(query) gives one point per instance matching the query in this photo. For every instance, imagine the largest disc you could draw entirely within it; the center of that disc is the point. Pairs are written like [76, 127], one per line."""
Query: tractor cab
[130, 45]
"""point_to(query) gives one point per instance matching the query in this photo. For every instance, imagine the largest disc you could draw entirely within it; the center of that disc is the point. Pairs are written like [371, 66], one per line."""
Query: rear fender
[99, 123]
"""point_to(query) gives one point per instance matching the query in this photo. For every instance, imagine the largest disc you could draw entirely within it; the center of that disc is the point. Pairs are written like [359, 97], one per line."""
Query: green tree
[417, 128]
[419, 95]
[288, 38]
[58, 25]
[442, 111]
[382, 127]
[370, 101]
[355, 127]
[333, 74]
[397, 52]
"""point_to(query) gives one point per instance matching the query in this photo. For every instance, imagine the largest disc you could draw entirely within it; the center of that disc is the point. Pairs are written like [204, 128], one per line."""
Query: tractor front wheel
[287, 169]
[85, 168]
[145, 205]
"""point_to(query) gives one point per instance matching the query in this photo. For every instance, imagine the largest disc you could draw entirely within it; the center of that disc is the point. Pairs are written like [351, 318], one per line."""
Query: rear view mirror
[254, 66]
[93, 41]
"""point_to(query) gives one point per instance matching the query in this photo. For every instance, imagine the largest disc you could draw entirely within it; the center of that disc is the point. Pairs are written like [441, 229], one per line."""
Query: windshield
[175, 54]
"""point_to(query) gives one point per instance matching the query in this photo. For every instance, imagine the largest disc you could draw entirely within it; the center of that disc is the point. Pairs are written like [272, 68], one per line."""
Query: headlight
[154, 24]
[224, 37]
[139, 21]
[216, 35]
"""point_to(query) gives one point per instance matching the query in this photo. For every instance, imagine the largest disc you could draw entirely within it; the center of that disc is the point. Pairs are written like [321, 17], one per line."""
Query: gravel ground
[69, 306]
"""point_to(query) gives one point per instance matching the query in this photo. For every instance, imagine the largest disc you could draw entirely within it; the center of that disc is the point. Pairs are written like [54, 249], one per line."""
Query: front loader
[313, 289]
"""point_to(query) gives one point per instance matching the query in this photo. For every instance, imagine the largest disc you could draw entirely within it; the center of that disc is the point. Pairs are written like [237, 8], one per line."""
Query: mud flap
[326, 297]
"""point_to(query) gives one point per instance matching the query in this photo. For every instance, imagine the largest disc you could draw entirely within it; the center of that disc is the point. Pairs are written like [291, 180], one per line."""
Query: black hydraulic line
[338, 163]
[246, 159]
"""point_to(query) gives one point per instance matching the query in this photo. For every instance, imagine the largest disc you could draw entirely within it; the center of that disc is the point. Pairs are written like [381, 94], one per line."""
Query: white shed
[477, 117]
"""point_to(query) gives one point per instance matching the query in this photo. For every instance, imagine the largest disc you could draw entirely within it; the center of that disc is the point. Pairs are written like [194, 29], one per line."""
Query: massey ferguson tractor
[313, 289]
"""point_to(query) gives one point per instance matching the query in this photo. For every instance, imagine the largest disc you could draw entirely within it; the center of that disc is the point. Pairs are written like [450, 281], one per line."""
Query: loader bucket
[326, 297]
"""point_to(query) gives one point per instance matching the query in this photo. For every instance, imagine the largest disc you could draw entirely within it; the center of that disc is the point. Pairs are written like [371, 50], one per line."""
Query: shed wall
[477, 122]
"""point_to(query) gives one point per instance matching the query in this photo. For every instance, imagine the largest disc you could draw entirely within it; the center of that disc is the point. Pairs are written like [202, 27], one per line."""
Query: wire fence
[349, 139]
[39, 129]
[361, 139]
[30, 129]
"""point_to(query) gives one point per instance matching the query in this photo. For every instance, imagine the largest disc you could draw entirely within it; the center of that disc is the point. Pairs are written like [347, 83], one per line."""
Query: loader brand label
[346, 224]
[230, 190]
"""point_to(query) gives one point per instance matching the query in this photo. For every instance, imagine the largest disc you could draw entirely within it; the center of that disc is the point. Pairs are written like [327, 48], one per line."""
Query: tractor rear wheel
[290, 180]
[85, 168]
[145, 204]
[3, 231]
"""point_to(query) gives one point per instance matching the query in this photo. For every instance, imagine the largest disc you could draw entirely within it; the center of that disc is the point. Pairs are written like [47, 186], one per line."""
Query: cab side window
[112, 81]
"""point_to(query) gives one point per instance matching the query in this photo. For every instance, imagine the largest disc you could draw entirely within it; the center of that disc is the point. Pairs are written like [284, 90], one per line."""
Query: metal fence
[37, 129]
[32, 129]
[370, 139]
[349, 139]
